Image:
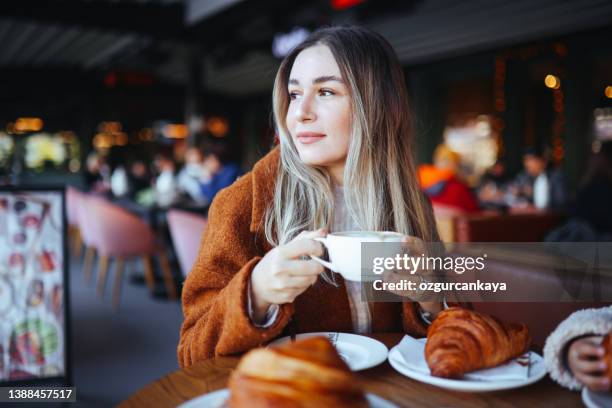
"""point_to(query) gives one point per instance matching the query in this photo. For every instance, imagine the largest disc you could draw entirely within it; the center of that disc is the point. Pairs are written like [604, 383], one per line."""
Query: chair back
[117, 232]
[445, 220]
[85, 221]
[186, 230]
[73, 197]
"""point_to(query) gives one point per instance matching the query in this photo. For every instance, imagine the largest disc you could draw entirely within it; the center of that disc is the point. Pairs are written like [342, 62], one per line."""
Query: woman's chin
[314, 160]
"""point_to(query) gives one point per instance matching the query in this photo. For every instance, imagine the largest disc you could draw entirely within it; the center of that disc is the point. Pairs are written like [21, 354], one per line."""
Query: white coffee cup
[344, 249]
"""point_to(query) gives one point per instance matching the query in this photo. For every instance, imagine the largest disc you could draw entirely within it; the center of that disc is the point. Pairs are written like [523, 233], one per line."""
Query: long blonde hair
[381, 188]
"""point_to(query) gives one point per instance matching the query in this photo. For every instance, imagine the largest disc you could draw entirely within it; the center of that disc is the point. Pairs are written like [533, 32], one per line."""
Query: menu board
[33, 311]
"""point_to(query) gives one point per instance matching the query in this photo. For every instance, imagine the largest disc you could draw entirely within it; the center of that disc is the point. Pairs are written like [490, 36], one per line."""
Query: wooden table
[210, 375]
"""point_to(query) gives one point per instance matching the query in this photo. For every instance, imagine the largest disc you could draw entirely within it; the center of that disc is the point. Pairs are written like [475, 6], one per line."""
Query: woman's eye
[293, 95]
[326, 92]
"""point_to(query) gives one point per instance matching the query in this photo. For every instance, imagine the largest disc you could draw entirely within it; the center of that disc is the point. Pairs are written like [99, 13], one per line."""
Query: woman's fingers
[281, 276]
[589, 366]
[303, 268]
[321, 232]
[414, 245]
[594, 382]
[585, 349]
[303, 244]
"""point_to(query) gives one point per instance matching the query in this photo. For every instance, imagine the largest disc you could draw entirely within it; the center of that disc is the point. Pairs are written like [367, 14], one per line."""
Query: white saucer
[596, 399]
[216, 399]
[537, 372]
[359, 352]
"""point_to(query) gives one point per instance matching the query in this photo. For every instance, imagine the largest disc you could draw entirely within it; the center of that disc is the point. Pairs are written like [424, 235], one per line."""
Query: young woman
[345, 162]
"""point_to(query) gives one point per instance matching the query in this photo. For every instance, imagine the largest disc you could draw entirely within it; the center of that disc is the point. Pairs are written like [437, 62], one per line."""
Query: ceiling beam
[200, 9]
[163, 21]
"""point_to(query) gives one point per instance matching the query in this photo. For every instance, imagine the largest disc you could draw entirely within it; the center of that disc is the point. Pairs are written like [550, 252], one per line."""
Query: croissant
[306, 373]
[607, 345]
[461, 340]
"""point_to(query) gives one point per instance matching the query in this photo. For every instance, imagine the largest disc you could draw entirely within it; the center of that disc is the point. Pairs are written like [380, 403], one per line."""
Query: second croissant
[461, 340]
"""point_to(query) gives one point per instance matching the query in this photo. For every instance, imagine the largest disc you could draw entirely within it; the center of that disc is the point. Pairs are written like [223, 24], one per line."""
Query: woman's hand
[281, 275]
[585, 360]
[414, 247]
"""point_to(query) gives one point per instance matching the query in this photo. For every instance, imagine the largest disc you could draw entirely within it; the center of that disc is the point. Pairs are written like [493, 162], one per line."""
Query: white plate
[359, 352]
[596, 399]
[537, 372]
[216, 399]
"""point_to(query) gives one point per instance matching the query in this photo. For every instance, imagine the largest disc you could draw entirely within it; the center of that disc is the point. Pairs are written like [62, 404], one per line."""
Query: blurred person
[219, 171]
[120, 186]
[496, 174]
[344, 162]
[116, 160]
[539, 185]
[594, 197]
[97, 173]
[166, 188]
[442, 184]
[92, 169]
[573, 353]
[193, 174]
[590, 218]
[139, 178]
[493, 185]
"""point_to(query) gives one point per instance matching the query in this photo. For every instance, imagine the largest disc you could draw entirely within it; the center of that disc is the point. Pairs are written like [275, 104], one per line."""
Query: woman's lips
[309, 137]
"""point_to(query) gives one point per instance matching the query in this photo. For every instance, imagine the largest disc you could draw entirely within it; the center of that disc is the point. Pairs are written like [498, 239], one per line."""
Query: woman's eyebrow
[327, 78]
[318, 80]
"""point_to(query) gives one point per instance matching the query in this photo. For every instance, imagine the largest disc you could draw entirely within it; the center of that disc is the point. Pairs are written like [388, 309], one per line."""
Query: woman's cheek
[290, 125]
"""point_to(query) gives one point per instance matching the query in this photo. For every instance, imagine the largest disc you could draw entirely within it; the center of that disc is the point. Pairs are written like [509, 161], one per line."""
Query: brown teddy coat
[216, 320]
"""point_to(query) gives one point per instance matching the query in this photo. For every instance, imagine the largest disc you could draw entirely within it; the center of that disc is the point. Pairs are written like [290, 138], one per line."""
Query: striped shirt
[360, 310]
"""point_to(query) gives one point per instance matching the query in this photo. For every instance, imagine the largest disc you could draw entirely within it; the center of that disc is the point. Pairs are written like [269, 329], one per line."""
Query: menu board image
[32, 286]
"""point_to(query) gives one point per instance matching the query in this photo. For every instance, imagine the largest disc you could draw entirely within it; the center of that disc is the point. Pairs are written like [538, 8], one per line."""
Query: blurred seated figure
[441, 182]
[117, 159]
[166, 188]
[119, 182]
[594, 197]
[219, 170]
[96, 174]
[192, 175]
[139, 178]
[539, 185]
[492, 190]
[590, 217]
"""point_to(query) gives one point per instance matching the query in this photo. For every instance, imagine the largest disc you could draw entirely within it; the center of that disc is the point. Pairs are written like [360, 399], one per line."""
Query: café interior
[138, 112]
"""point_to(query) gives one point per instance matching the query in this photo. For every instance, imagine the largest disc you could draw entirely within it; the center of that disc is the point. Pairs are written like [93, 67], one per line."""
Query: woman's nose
[305, 111]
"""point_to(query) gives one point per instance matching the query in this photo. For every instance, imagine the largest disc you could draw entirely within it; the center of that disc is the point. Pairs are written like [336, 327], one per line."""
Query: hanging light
[175, 131]
[23, 125]
[552, 82]
[217, 126]
[344, 4]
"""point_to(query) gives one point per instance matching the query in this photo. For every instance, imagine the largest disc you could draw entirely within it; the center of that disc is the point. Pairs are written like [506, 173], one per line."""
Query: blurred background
[146, 108]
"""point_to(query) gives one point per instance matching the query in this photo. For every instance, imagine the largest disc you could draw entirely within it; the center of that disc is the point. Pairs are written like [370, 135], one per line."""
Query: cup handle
[326, 264]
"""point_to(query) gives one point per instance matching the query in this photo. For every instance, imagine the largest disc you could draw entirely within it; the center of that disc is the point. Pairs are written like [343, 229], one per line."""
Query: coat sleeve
[215, 301]
[579, 324]
[413, 324]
